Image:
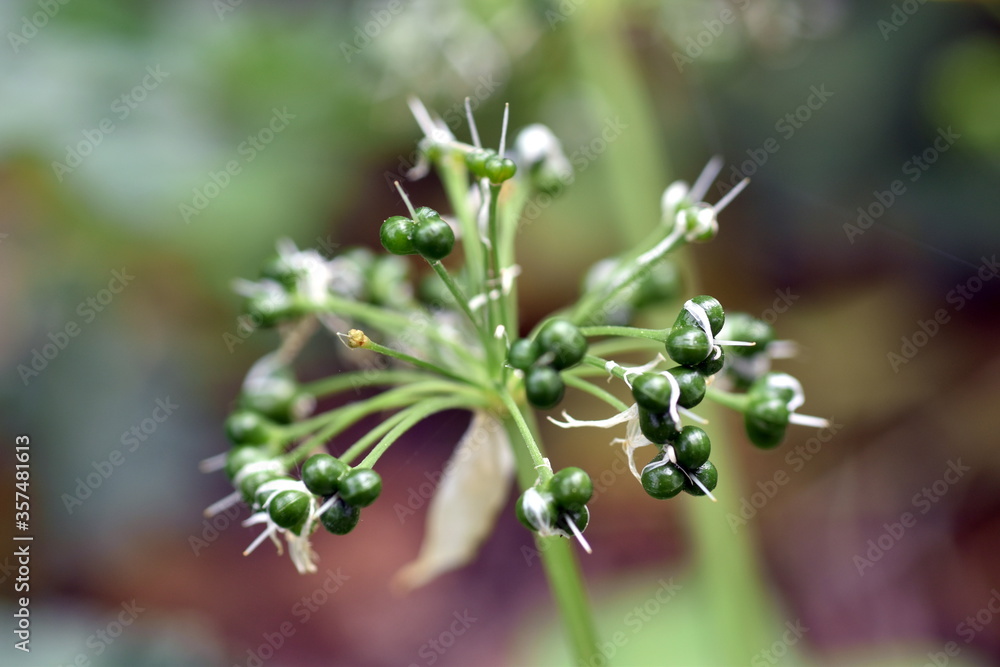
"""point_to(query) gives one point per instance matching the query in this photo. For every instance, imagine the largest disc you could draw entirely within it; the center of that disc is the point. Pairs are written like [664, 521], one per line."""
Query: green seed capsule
[237, 458]
[563, 341]
[692, 447]
[535, 509]
[713, 309]
[289, 509]
[396, 235]
[273, 397]
[652, 391]
[659, 427]
[580, 517]
[499, 169]
[524, 353]
[746, 328]
[662, 482]
[688, 346]
[766, 420]
[544, 387]
[341, 517]
[433, 238]
[360, 487]
[322, 473]
[692, 385]
[248, 428]
[571, 488]
[476, 161]
[707, 474]
[774, 385]
[250, 484]
[716, 360]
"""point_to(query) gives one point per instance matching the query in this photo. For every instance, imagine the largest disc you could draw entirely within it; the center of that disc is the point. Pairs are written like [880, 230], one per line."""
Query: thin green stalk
[485, 336]
[527, 436]
[559, 562]
[369, 344]
[415, 415]
[659, 335]
[455, 178]
[369, 378]
[595, 391]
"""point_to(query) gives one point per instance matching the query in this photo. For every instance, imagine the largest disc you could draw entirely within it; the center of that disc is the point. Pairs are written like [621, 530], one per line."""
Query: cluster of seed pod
[558, 345]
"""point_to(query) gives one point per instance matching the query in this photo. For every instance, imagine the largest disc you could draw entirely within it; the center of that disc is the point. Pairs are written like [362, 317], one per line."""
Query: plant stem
[559, 562]
[659, 335]
[594, 390]
[415, 414]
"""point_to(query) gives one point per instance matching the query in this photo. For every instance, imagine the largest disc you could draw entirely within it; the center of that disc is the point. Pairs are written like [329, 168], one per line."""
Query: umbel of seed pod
[691, 339]
[558, 506]
[657, 395]
[427, 234]
[558, 345]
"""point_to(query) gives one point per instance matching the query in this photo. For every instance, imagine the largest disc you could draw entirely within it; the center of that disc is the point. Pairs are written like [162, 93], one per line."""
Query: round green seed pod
[663, 481]
[499, 169]
[692, 447]
[580, 517]
[524, 353]
[766, 420]
[661, 283]
[250, 484]
[535, 509]
[716, 360]
[713, 309]
[692, 386]
[289, 509]
[707, 474]
[433, 238]
[543, 387]
[688, 346]
[563, 341]
[341, 517]
[659, 427]
[751, 330]
[652, 391]
[476, 160]
[396, 235]
[322, 473]
[273, 397]
[571, 488]
[244, 427]
[239, 457]
[360, 487]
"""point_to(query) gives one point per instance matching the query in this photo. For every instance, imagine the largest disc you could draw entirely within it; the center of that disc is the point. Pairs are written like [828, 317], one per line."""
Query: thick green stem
[559, 562]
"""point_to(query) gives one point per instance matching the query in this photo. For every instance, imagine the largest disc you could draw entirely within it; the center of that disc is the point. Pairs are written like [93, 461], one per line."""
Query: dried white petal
[471, 493]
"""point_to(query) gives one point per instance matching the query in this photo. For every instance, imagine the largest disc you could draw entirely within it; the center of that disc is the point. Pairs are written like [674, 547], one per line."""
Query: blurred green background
[121, 231]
